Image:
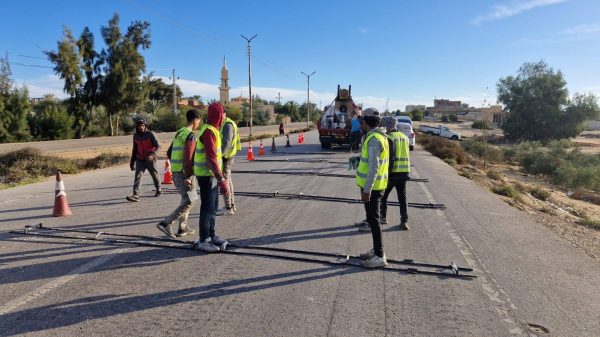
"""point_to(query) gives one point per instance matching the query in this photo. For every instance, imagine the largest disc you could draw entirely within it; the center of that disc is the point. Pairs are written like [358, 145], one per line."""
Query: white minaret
[224, 87]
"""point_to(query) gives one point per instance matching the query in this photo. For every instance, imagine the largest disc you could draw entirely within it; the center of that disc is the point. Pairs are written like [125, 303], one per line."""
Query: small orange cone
[250, 152]
[273, 149]
[261, 149]
[61, 206]
[302, 136]
[168, 177]
[299, 138]
[287, 143]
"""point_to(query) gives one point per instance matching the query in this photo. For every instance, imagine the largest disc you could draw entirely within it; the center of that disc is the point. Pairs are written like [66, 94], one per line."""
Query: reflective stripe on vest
[237, 145]
[177, 149]
[401, 163]
[201, 167]
[381, 178]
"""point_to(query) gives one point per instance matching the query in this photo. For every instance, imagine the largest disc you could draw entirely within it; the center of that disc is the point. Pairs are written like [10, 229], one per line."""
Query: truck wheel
[454, 138]
[326, 145]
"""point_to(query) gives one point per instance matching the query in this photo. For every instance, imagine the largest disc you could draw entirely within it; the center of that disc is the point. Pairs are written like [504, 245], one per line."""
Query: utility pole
[279, 97]
[308, 98]
[250, 76]
[174, 93]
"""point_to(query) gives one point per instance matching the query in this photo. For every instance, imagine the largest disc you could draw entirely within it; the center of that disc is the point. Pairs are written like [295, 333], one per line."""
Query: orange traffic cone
[287, 143]
[250, 152]
[302, 136]
[299, 139]
[61, 206]
[168, 177]
[273, 149]
[261, 149]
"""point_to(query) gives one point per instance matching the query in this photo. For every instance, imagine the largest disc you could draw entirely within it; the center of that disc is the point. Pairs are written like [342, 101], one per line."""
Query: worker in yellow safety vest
[398, 172]
[372, 178]
[207, 168]
[181, 155]
[230, 145]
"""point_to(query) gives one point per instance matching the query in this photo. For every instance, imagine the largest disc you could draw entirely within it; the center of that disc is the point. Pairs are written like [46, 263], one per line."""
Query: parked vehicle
[404, 119]
[407, 129]
[440, 130]
[335, 125]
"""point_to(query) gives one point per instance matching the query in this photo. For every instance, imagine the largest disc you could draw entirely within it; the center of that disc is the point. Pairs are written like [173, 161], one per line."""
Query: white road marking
[57, 282]
[504, 305]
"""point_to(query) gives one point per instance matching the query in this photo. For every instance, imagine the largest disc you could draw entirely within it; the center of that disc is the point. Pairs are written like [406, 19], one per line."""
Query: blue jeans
[209, 201]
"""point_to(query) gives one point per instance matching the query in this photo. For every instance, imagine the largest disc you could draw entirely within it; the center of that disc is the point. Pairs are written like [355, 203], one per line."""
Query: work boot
[185, 231]
[206, 246]
[158, 192]
[403, 226]
[375, 262]
[165, 228]
[133, 198]
[365, 227]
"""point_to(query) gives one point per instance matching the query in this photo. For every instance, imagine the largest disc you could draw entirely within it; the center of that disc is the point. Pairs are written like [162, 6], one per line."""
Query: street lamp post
[249, 77]
[308, 97]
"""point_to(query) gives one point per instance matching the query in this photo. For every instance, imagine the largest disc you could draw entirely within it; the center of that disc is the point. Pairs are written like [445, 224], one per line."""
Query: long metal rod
[233, 252]
[236, 245]
[276, 194]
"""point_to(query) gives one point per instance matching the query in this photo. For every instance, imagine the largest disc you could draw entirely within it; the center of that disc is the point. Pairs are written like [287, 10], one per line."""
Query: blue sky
[402, 52]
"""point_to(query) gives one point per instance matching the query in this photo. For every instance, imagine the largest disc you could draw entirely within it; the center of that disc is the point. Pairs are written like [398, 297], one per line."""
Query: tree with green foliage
[539, 107]
[122, 89]
[53, 123]
[14, 107]
[78, 64]
[160, 91]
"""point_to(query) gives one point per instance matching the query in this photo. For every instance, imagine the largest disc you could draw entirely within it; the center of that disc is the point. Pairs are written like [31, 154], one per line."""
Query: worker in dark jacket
[143, 157]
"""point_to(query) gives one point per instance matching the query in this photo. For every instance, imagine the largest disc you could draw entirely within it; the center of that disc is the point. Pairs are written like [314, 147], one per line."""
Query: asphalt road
[528, 278]
[108, 143]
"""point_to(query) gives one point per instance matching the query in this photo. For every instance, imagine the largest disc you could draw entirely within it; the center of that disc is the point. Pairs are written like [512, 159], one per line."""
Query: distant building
[494, 115]
[240, 101]
[447, 107]
[194, 103]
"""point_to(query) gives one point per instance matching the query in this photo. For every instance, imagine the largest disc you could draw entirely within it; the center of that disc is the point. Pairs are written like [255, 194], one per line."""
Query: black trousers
[400, 185]
[372, 208]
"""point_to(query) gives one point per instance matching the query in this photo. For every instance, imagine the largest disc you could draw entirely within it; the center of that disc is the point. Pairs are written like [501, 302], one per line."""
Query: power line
[29, 65]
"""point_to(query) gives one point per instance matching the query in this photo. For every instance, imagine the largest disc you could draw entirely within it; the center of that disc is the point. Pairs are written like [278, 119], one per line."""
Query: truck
[335, 125]
[440, 130]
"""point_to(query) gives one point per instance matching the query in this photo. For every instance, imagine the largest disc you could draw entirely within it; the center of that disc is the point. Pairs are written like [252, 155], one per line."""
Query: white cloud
[363, 30]
[514, 7]
[48, 84]
[575, 33]
[583, 30]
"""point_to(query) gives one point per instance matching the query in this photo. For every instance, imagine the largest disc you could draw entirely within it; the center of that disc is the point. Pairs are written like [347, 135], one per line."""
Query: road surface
[529, 279]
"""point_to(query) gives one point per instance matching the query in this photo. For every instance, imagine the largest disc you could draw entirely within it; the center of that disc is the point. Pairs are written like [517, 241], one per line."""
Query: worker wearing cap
[372, 178]
[398, 170]
[143, 157]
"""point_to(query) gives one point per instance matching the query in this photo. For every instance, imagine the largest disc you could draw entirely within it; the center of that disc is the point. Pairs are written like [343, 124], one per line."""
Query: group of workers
[202, 161]
[205, 161]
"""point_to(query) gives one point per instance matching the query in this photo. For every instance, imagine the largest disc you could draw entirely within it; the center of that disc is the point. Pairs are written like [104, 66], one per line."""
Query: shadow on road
[98, 307]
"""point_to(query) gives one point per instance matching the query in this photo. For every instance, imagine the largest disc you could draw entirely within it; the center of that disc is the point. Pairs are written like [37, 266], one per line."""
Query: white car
[407, 129]
[404, 119]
